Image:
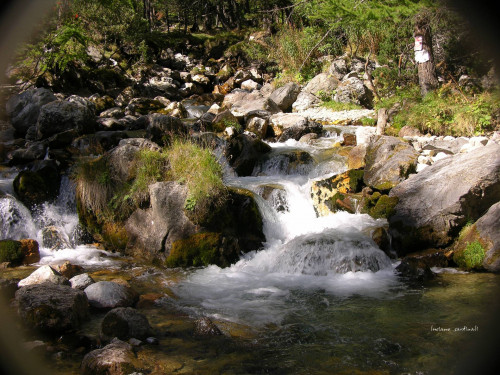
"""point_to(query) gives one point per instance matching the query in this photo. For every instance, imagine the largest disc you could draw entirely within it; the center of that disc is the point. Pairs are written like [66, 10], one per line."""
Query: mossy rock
[379, 205]
[10, 251]
[203, 249]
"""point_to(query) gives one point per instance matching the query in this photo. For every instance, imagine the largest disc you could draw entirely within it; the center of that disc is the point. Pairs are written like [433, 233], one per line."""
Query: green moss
[385, 186]
[10, 251]
[30, 188]
[384, 208]
[356, 180]
[200, 249]
[471, 257]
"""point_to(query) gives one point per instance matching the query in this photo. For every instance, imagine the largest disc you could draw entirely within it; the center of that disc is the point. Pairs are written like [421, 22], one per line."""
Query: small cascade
[302, 252]
[15, 219]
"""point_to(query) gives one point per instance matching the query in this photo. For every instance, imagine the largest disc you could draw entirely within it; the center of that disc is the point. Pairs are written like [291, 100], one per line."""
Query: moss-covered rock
[10, 251]
[203, 249]
[337, 193]
[379, 205]
[471, 257]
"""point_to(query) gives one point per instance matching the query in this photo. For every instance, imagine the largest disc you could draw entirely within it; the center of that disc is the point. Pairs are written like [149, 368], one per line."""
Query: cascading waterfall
[54, 225]
[303, 252]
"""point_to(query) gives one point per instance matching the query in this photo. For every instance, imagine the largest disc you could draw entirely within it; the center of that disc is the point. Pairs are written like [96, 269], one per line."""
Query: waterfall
[54, 225]
[302, 251]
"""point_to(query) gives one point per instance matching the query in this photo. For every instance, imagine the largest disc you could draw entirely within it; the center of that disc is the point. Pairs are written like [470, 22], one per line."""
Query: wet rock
[81, 281]
[243, 153]
[54, 239]
[327, 193]
[30, 251]
[108, 295]
[68, 270]
[52, 308]
[24, 109]
[42, 275]
[356, 157]
[322, 84]
[161, 128]
[388, 162]
[60, 116]
[309, 138]
[205, 327]
[125, 323]
[288, 162]
[352, 90]
[415, 269]
[487, 227]
[438, 201]
[8, 289]
[33, 188]
[117, 358]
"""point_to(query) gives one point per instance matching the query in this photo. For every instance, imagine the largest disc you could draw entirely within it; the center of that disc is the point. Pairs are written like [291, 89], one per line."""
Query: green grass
[471, 257]
[198, 168]
[336, 106]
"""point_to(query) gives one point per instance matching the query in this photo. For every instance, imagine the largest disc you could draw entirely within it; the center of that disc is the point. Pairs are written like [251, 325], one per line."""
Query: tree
[424, 57]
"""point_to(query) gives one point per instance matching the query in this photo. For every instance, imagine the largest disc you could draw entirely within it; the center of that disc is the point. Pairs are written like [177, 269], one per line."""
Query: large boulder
[108, 295]
[23, 109]
[285, 96]
[292, 126]
[117, 358]
[241, 109]
[389, 161]
[305, 101]
[243, 152]
[39, 184]
[322, 85]
[167, 200]
[52, 308]
[488, 229]
[352, 90]
[438, 201]
[60, 116]
[125, 323]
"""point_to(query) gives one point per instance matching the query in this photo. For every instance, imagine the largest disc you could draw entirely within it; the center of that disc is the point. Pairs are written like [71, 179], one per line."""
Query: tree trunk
[381, 121]
[424, 57]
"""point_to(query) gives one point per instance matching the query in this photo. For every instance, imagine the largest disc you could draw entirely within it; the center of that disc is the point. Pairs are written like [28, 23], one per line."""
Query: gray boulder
[388, 162]
[292, 126]
[117, 358]
[338, 68]
[243, 108]
[23, 109]
[60, 116]
[81, 281]
[108, 295]
[437, 202]
[322, 84]
[285, 96]
[305, 101]
[352, 90]
[125, 323]
[167, 200]
[52, 308]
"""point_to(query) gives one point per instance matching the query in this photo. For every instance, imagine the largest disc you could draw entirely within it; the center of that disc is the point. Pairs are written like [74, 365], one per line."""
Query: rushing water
[319, 298]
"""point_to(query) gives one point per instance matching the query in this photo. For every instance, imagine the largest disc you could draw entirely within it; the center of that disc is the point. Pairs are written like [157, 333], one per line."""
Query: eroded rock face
[117, 358]
[388, 162]
[243, 153]
[437, 202]
[52, 308]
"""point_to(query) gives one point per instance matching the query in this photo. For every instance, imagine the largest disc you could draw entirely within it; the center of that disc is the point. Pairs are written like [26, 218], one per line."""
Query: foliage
[336, 106]
[471, 257]
[447, 111]
[201, 249]
[198, 168]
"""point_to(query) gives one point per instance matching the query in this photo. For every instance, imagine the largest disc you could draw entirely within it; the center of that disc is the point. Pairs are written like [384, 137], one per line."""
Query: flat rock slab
[108, 295]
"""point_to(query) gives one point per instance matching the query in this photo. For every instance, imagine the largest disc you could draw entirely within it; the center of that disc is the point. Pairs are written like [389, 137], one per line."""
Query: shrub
[10, 251]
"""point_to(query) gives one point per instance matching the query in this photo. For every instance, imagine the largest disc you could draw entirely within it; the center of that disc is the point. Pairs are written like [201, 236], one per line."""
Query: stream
[319, 298]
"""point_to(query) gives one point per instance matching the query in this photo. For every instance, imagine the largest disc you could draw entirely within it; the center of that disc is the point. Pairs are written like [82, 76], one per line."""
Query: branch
[316, 46]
